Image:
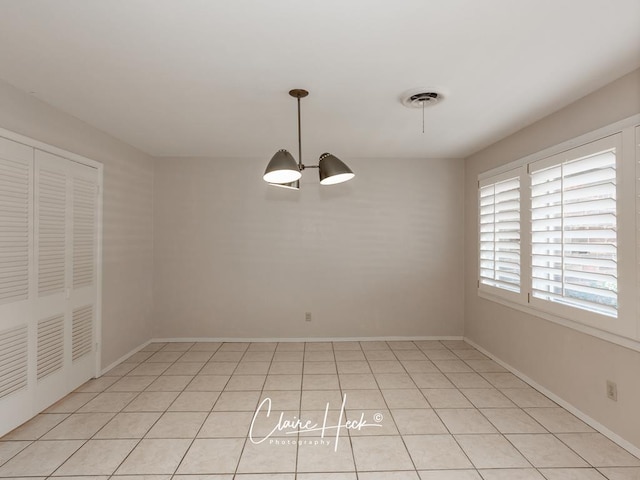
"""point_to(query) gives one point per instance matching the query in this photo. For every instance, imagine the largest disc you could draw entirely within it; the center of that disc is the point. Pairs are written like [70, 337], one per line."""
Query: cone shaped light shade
[333, 170]
[282, 169]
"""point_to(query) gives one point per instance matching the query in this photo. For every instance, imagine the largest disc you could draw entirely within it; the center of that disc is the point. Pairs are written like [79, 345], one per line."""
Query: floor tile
[487, 398]
[485, 366]
[349, 355]
[292, 368]
[512, 420]
[97, 457]
[404, 355]
[313, 368]
[346, 345]
[283, 399]
[319, 347]
[546, 451]
[40, 458]
[252, 368]
[108, 402]
[151, 402]
[324, 458]
[132, 384]
[598, 450]
[177, 425]
[364, 399]
[436, 452]
[468, 380]
[71, 402]
[511, 474]
[450, 475]
[194, 402]
[269, 456]
[290, 347]
[446, 398]
[419, 366]
[36, 427]
[320, 476]
[443, 354]
[227, 356]
[128, 425]
[558, 420]
[195, 357]
[165, 357]
[318, 399]
[262, 347]
[380, 454]
[320, 356]
[170, 383]
[394, 380]
[155, 456]
[320, 382]
[504, 380]
[373, 355]
[572, 474]
[283, 382]
[527, 397]
[463, 420]
[150, 368]
[257, 356]
[226, 424]
[234, 347]
[218, 368]
[207, 383]
[491, 451]
[79, 426]
[386, 366]
[431, 380]
[358, 381]
[452, 366]
[177, 346]
[353, 367]
[205, 347]
[185, 368]
[405, 398]
[97, 385]
[243, 383]
[237, 401]
[288, 356]
[208, 456]
[418, 422]
[621, 473]
[10, 449]
[122, 369]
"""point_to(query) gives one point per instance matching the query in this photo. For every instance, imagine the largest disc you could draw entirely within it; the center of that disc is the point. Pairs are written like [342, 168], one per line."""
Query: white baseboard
[124, 357]
[631, 448]
[303, 339]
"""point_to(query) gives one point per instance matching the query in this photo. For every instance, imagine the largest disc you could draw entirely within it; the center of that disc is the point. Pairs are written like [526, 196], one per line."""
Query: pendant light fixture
[283, 171]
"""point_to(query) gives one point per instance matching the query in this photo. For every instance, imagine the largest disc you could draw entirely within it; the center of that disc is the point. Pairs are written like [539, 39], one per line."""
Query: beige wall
[572, 365]
[128, 212]
[377, 256]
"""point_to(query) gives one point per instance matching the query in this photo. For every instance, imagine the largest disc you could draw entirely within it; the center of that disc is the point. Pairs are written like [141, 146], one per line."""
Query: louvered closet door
[83, 266]
[51, 319]
[16, 283]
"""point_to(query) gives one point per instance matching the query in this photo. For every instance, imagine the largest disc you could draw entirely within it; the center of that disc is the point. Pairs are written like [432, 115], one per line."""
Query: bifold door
[48, 246]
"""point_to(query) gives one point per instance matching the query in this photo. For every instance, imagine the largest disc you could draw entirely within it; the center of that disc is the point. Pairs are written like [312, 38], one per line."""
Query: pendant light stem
[300, 166]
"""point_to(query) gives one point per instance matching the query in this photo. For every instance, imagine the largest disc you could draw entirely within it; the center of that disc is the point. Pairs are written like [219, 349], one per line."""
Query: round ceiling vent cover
[421, 97]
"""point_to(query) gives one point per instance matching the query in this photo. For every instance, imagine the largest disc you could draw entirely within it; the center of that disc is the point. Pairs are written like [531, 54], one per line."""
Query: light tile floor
[185, 410]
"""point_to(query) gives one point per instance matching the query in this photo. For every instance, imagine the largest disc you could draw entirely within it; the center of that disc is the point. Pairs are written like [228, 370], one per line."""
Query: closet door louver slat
[82, 332]
[51, 217]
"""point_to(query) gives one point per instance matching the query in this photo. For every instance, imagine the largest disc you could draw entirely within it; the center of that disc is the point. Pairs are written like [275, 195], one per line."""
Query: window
[557, 234]
[499, 254]
[574, 230]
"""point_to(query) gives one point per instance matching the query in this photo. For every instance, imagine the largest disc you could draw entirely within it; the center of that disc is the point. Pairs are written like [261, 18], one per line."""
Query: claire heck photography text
[328, 432]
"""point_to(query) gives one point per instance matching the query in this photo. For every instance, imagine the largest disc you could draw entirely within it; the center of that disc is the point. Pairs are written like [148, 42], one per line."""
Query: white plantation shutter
[574, 229]
[499, 233]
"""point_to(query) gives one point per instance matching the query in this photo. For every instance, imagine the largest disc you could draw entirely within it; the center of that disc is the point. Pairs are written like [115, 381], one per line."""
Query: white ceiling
[210, 77]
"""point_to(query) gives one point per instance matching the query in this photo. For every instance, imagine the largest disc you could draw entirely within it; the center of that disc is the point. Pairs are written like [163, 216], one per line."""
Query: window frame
[625, 329]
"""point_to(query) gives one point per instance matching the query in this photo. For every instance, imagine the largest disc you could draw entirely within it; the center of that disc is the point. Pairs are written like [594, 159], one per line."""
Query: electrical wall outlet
[612, 390]
[307, 316]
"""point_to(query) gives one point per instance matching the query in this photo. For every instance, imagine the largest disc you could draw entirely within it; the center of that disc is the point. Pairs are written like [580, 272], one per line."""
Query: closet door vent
[51, 203]
[14, 231]
[82, 332]
[84, 208]
[50, 345]
[13, 360]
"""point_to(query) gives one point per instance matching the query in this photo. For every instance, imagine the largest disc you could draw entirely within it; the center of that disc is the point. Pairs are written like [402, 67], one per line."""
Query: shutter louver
[82, 331]
[574, 233]
[52, 191]
[50, 345]
[84, 197]
[14, 230]
[13, 360]
[500, 235]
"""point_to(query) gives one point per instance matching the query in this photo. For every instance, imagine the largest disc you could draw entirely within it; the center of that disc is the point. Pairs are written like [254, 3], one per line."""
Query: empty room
[337, 240]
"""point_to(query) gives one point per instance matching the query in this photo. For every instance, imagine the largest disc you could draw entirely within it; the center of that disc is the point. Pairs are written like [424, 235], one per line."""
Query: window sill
[631, 343]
